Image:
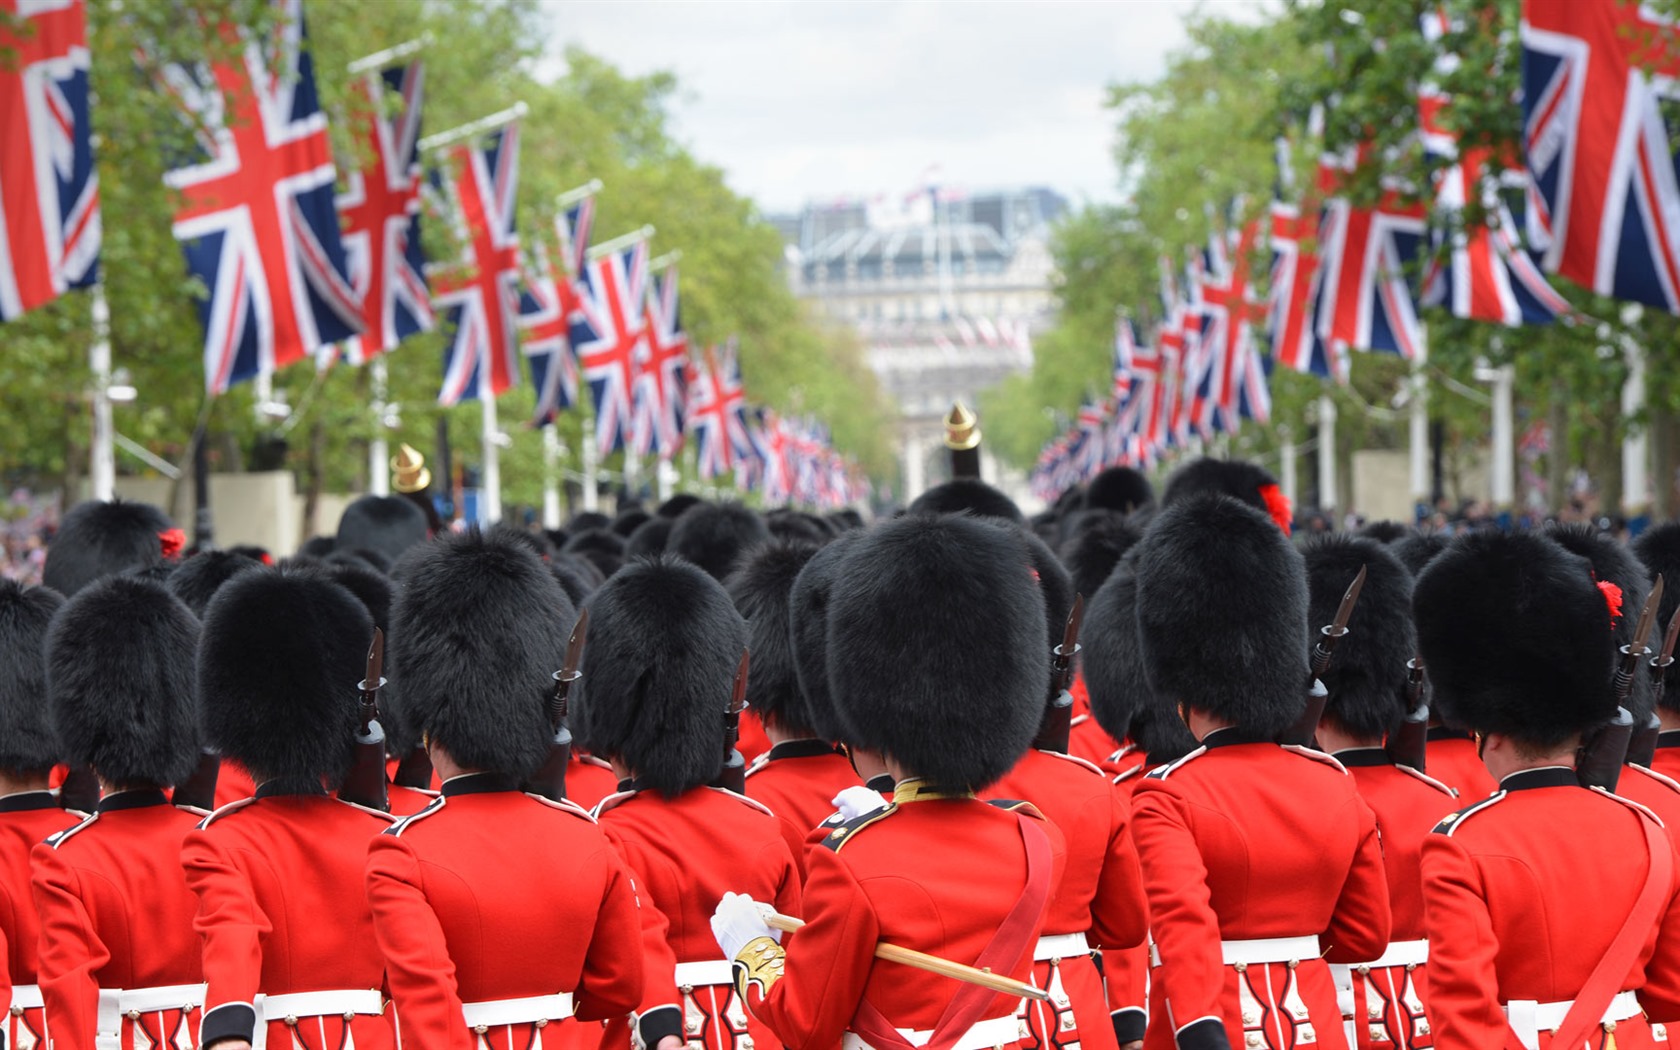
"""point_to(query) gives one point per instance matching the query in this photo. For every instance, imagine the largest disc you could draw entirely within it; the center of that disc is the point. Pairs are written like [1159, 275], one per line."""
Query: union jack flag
[479, 293]
[379, 212]
[662, 374]
[1366, 299]
[717, 407]
[609, 331]
[775, 457]
[1604, 197]
[1231, 306]
[1291, 322]
[546, 307]
[257, 220]
[49, 190]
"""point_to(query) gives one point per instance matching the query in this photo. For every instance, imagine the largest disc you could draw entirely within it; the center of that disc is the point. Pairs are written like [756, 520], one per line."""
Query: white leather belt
[702, 974]
[118, 1003]
[322, 1004]
[1061, 946]
[1268, 950]
[1529, 1018]
[497, 1012]
[999, 1031]
[1400, 953]
[26, 997]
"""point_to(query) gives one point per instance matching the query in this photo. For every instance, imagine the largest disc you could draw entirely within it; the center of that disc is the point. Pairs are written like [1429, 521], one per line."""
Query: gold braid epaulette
[839, 834]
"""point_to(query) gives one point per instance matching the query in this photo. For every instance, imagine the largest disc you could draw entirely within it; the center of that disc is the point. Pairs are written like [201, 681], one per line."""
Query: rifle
[733, 776]
[80, 790]
[1329, 636]
[1053, 731]
[366, 785]
[550, 781]
[1642, 746]
[1642, 749]
[1633, 652]
[1603, 750]
[414, 770]
[1408, 742]
[198, 791]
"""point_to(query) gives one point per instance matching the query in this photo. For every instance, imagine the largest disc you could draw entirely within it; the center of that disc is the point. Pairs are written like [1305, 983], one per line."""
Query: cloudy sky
[803, 100]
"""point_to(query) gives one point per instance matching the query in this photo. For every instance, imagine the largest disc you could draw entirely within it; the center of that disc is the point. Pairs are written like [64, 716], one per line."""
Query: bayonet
[733, 776]
[366, 784]
[550, 781]
[1635, 651]
[1329, 636]
[1057, 724]
[1660, 663]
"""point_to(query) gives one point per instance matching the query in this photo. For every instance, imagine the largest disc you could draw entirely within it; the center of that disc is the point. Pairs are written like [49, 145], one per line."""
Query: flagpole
[1502, 470]
[490, 481]
[591, 468]
[1327, 456]
[572, 196]
[390, 56]
[1286, 469]
[619, 243]
[1418, 427]
[102, 474]
[379, 469]
[1636, 489]
[632, 474]
[666, 475]
[499, 119]
[551, 476]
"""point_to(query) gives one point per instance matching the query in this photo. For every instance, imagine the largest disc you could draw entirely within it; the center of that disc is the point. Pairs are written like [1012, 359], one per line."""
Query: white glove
[857, 801]
[737, 921]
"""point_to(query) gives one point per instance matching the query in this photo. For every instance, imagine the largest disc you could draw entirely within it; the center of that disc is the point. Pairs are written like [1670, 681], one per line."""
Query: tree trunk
[1662, 460]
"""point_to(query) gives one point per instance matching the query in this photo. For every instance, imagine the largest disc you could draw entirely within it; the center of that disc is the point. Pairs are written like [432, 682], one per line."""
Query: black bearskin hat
[1121, 700]
[1384, 531]
[1097, 546]
[1222, 613]
[761, 588]
[1239, 479]
[387, 524]
[197, 579]
[602, 548]
[27, 744]
[650, 538]
[121, 677]
[478, 629]
[317, 547]
[1616, 566]
[674, 507]
[1055, 586]
[98, 539]
[628, 521]
[1418, 549]
[664, 645]
[970, 494]
[844, 520]
[1659, 549]
[1122, 489]
[573, 580]
[785, 524]
[283, 703]
[584, 520]
[808, 610]
[933, 625]
[716, 536]
[1367, 678]
[1512, 629]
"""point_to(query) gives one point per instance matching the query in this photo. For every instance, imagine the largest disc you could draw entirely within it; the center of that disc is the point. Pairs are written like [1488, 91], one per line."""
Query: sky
[810, 100]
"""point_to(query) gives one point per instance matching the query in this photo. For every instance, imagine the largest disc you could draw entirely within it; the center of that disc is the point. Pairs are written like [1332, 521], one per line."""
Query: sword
[550, 781]
[733, 776]
[366, 785]
[1058, 716]
[1329, 636]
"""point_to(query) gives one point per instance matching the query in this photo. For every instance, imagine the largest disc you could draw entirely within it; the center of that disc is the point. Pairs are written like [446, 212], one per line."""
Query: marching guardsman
[1551, 907]
[498, 912]
[1241, 480]
[1384, 999]
[288, 942]
[385, 525]
[799, 777]
[29, 811]
[98, 539]
[412, 480]
[119, 964]
[1098, 905]
[1260, 861]
[1659, 549]
[928, 619]
[664, 651]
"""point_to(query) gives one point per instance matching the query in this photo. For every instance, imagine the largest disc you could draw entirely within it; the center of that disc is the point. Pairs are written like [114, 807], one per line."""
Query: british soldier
[119, 962]
[1551, 908]
[665, 643]
[497, 912]
[1260, 861]
[928, 619]
[799, 777]
[288, 944]
[1659, 549]
[29, 811]
[1385, 998]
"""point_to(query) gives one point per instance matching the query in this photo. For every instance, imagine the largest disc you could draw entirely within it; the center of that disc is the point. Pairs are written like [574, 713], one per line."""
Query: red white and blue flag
[609, 331]
[379, 212]
[717, 409]
[478, 294]
[1604, 199]
[257, 220]
[1296, 274]
[662, 373]
[49, 190]
[546, 307]
[1369, 258]
[775, 456]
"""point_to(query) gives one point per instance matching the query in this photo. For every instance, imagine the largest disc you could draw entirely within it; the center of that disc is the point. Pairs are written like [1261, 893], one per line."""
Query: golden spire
[962, 429]
[408, 471]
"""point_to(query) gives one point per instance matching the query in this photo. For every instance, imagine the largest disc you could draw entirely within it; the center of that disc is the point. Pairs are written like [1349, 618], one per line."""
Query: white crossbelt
[1258, 951]
[999, 1031]
[1529, 1018]
[26, 997]
[1061, 946]
[497, 1012]
[118, 1003]
[345, 1001]
[707, 972]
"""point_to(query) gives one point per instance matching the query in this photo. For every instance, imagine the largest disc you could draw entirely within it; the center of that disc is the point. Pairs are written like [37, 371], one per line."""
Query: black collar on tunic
[1229, 736]
[24, 801]
[478, 784]
[1357, 757]
[290, 786]
[1669, 738]
[1543, 777]
[136, 798]
[809, 748]
[882, 782]
[1444, 733]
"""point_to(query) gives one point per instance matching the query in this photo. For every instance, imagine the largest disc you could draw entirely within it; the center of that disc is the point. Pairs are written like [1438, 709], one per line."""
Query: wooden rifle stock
[1642, 746]
[733, 775]
[1301, 734]
[1603, 751]
[1408, 744]
[366, 785]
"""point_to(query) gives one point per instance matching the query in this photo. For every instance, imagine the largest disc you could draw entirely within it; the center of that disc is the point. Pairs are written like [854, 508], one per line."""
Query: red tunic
[1450, 757]
[407, 801]
[1248, 841]
[752, 741]
[1666, 759]
[1100, 893]
[687, 852]
[935, 873]
[233, 782]
[116, 914]
[26, 819]
[1389, 1003]
[491, 894]
[1126, 972]
[1523, 893]
[282, 909]
[589, 780]
[798, 780]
